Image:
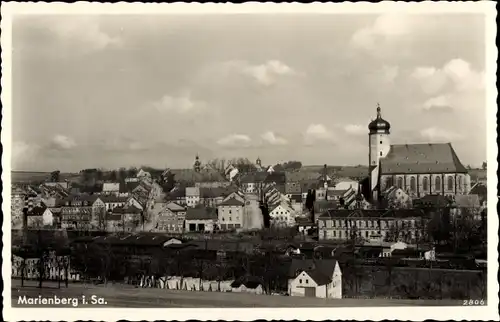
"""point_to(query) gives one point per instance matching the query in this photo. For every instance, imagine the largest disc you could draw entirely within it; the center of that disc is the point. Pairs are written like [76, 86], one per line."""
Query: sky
[113, 91]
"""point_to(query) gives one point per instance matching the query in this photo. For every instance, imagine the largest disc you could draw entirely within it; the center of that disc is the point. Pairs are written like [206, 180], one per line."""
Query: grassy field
[128, 296]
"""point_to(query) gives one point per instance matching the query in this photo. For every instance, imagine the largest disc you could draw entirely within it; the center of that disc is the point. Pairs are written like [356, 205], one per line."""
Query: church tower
[379, 146]
[197, 164]
[258, 162]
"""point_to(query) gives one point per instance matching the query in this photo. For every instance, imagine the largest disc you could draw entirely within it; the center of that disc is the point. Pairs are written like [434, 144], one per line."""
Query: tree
[132, 172]
[122, 173]
[292, 165]
[55, 176]
[484, 165]
[218, 165]
[243, 165]
[113, 176]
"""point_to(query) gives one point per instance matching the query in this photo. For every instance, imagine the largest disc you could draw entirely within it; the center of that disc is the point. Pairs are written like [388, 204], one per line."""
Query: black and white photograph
[254, 161]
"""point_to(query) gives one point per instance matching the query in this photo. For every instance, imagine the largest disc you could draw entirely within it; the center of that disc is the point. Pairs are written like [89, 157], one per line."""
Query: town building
[230, 214]
[315, 278]
[418, 169]
[392, 225]
[200, 219]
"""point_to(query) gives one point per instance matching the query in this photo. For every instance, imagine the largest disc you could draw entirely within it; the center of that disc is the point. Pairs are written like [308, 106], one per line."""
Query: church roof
[421, 158]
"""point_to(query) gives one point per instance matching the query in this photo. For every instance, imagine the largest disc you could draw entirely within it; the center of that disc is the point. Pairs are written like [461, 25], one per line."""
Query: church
[418, 169]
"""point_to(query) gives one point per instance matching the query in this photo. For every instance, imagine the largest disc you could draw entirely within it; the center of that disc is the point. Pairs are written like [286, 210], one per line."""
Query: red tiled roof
[421, 158]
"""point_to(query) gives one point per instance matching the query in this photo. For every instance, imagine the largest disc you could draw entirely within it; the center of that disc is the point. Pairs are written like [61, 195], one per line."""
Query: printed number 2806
[473, 302]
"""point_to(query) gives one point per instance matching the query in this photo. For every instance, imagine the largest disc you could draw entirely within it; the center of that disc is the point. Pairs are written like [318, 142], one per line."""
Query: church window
[438, 183]
[400, 182]
[413, 184]
[380, 153]
[459, 182]
[380, 142]
[425, 183]
[450, 183]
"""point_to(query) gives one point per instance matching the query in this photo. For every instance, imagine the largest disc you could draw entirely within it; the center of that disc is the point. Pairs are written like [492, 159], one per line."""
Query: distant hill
[35, 176]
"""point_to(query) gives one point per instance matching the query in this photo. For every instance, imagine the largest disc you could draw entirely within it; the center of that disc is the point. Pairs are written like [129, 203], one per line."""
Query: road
[128, 296]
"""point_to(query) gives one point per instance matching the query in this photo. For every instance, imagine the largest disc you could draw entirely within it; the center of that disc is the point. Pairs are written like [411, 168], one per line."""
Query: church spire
[379, 111]
[197, 163]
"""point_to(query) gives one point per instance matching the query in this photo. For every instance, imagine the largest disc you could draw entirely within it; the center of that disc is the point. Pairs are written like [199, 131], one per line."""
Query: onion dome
[379, 125]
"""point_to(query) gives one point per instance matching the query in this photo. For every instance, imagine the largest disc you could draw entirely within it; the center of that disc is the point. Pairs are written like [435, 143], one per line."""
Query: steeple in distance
[197, 164]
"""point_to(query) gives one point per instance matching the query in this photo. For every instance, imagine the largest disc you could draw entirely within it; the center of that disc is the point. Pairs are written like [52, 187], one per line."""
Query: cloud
[317, 132]
[355, 129]
[22, 152]
[273, 139]
[73, 35]
[265, 74]
[235, 140]
[384, 28]
[390, 73]
[436, 134]
[456, 83]
[62, 142]
[179, 104]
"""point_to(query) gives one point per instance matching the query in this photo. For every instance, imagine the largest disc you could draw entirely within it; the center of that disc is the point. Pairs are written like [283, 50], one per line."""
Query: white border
[402, 313]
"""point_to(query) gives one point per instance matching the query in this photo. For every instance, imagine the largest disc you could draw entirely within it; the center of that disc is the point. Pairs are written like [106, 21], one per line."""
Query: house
[63, 184]
[112, 201]
[252, 182]
[393, 224]
[468, 204]
[133, 201]
[396, 198]
[51, 217]
[143, 175]
[315, 278]
[170, 217]
[177, 194]
[248, 284]
[35, 217]
[109, 188]
[76, 217]
[282, 215]
[200, 219]
[192, 196]
[131, 216]
[346, 184]
[238, 195]
[230, 214]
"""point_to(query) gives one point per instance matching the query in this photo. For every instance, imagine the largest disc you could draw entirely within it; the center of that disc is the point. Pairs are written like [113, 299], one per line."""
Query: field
[128, 296]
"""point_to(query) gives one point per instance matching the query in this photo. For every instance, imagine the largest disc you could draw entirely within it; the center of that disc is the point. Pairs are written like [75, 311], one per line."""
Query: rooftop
[421, 158]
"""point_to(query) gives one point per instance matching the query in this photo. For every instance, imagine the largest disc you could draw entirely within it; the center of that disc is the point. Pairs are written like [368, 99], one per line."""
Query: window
[450, 183]
[400, 182]
[229, 211]
[307, 281]
[380, 142]
[413, 184]
[438, 183]
[300, 281]
[334, 233]
[425, 184]
[380, 153]
[459, 182]
[366, 233]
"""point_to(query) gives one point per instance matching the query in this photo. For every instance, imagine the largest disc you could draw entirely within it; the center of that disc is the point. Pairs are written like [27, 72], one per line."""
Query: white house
[111, 188]
[282, 215]
[143, 175]
[192, 196]
[49, 215]
[230, 214]
[315, 278]
[247, 285]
